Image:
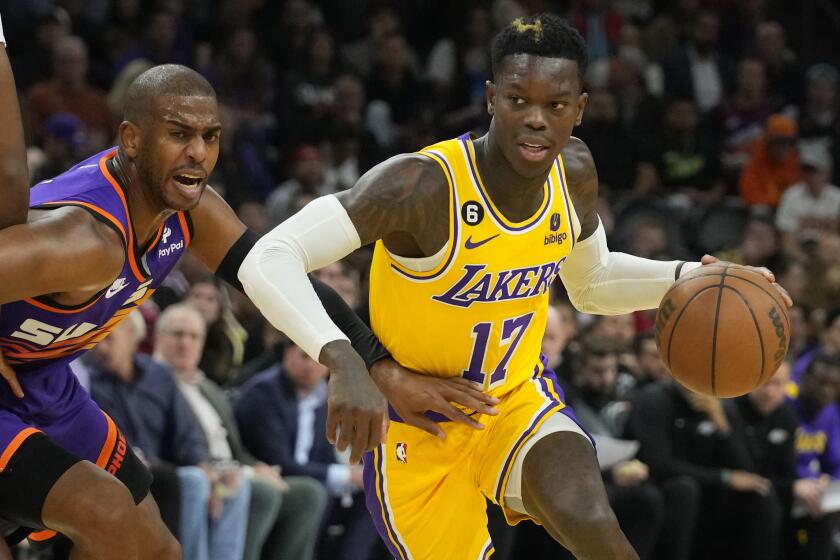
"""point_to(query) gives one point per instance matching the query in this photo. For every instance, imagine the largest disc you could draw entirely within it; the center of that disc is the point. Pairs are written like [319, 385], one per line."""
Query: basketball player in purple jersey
[98, 241]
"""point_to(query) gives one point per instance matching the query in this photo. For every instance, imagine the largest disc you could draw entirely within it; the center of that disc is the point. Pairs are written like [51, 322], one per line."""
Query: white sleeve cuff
[273, 273]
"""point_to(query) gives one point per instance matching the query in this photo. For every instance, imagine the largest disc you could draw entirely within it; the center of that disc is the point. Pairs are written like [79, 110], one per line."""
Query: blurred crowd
[715, 127]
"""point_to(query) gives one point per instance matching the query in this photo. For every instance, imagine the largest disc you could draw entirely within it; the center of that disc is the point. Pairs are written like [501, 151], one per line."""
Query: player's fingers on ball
[457, 416]
[766, 272]
[784, 293]
[708, 259]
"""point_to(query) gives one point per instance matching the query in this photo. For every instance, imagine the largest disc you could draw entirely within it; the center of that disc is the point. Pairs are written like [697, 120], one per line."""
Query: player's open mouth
[188, 180]
[533, 152]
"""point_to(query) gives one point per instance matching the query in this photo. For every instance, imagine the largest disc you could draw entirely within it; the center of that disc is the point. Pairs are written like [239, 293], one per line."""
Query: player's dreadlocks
[542, 35]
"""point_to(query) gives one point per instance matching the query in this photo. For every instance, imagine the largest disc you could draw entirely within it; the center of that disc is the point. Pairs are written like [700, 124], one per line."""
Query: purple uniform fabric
[818, 442]
[40, 338]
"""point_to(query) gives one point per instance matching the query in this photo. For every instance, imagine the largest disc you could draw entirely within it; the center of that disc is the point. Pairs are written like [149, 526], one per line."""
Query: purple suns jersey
[37, 333]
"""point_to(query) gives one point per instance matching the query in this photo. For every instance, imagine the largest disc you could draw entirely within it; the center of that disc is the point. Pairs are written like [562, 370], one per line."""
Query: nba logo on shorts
[555, 221]
[402, 452]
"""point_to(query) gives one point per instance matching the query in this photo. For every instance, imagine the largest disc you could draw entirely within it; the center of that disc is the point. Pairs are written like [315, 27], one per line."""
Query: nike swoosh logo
[470, 245]
[115, 288]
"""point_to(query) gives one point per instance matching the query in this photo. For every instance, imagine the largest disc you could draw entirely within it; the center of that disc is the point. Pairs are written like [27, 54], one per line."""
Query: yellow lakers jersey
[481, 311]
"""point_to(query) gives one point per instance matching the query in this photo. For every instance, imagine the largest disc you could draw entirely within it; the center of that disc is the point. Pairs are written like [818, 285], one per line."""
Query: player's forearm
[14, 172]
[610, 283]
[274, 274]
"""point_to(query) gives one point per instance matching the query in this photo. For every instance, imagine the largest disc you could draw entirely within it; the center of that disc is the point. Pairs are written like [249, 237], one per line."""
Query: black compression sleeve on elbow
[361, 337]
[229, 269]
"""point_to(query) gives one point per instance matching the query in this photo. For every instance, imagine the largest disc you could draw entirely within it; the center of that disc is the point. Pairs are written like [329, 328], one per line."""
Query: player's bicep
[216, 228]
[67, 251]
[400, 195]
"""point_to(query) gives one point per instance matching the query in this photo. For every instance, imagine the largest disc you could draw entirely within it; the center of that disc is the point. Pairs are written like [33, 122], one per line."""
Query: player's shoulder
[577, 162]
[402, 178]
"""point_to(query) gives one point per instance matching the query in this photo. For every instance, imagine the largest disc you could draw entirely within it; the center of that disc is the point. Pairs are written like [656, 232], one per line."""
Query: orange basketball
[722, 330]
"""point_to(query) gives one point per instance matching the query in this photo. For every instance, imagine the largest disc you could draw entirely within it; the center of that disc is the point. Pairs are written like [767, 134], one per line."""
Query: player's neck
[147, 215]
[510, 191]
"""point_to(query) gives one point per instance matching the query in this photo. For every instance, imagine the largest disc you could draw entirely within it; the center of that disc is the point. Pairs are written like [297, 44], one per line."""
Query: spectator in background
[784, 78]
[697, 71]
[685, 434]
[244, 78]
[143, 399]
[649, 365]
[685, 160]
[766, 428]
[742, 117]
[609, 141]
[817, 455]
[818, 116]
[282, 415]
[225, 338]
[810, 208]
[829, 346]
[64, 144]
[822, 288]
[343, 279]
[68, 91]
[309, 92]
[309, 180]
[773, 165]
[32, 64]
[284, 514]
[394, 80]
[382, 22]
[457, 70]
[600, 25]
[759, 245]
[158, 43]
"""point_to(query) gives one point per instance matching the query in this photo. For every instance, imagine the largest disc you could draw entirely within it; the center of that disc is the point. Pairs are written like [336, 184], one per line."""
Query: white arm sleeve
[606, 283]
[273, 273]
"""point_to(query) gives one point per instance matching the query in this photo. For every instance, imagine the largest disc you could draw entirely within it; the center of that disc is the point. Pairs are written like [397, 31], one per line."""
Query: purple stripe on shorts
[376, 507]
[549, 408]
[488, 550]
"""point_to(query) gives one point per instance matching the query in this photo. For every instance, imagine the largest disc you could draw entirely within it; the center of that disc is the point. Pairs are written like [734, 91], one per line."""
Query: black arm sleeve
[361, 337]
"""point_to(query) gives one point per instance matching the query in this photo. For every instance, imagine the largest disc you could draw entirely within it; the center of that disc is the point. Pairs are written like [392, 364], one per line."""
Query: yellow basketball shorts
[427, 496]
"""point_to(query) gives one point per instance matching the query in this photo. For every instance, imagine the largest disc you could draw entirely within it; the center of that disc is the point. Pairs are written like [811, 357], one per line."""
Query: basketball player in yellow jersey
[470, 234]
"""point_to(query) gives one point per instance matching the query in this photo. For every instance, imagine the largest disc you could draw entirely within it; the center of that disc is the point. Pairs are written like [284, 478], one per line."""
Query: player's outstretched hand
[356, 410]
[413, 394]
[11, 377]
[709, 259]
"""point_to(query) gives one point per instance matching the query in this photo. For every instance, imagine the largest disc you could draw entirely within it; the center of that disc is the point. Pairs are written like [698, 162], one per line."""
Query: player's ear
[581, 105]
[129, 138]
[491, 97]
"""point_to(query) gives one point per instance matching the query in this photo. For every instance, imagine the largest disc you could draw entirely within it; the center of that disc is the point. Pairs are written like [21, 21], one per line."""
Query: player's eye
[516, 100]
[557, 105]
[212, 137]
[176, 133]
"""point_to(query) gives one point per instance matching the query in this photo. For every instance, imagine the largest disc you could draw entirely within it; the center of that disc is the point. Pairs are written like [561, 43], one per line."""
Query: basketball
[722, 330]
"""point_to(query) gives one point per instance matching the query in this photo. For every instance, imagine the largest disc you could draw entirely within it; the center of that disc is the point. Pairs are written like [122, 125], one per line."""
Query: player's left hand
[709, 259]
[356, 410]
[11, 377]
